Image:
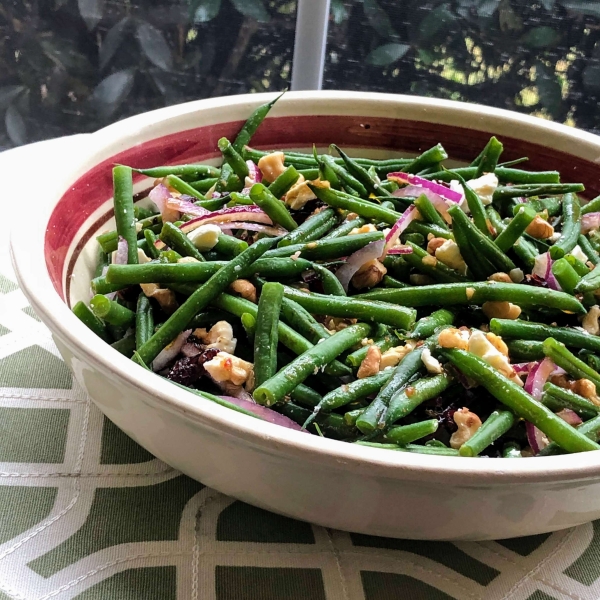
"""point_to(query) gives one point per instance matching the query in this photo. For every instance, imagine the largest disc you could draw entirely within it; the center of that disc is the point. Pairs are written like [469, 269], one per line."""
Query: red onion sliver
[274, 230]
[166, 355]
[589, 222]
[266, 414]
[122, 252]
[570, 417]
[400, 250]
[438, 188]
[409, 215]
[537, 377]
[523, 367]
[438, 202]
[537, 440]
[356, 260]
[254, 173]
[160, 194]
[185, 206]
[235, 213]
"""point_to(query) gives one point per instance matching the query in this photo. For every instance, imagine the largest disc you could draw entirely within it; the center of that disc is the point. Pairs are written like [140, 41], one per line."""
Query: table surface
[86, 513]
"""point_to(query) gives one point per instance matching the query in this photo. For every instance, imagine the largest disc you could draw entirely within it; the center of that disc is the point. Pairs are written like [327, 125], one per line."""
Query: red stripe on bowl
[91, 190]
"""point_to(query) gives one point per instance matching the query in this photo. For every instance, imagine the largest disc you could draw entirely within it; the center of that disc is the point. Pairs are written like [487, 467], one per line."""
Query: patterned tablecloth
[86, 513]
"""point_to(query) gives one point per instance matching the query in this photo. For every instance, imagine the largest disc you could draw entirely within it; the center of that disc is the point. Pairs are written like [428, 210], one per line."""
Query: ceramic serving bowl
[323, 481]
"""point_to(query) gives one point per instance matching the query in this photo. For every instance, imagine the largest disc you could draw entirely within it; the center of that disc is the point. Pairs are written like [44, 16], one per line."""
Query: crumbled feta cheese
[142, 258]
[578, 253]
[431, 364]
[205, 237]
[484, 187]
[449, 254]
[481, 346]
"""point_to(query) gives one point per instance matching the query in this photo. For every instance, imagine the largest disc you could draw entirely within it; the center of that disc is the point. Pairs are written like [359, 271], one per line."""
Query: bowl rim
[30, 267]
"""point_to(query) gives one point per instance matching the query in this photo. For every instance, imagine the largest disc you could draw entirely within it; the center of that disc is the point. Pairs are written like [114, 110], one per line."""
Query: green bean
[330, 283]
[477, 264]
[332, 423]
[225, 178]
[183, 187]
[404, 434]
[504, 175]
[519, 401]
[542, 189]
[233, 158]
[345, 228]
[525, 350]
[287, 336]
[515, 229]
[429, 212]
[427, 326]
[191, 171]
[415, 238]
[251, 125]
[203, 296]
[523, 330]
[309, 174]
[83, 312]
[571, 227]
[374, 415]
[110, 311]
[575, 367]
[173, 237]
[229, 245]
[557, 398]
[99, 285]
[346, 178]
[590, 428]
[480, 242]
[328, 248]
[124, 217]
[338, 306]
[516, 161]
[305, 396]
[489, 157]
[580, 267]
[422, 261]
[391, 282]
[495, 426]
[212, 204]
[363, 208]
[144, 321]
[384, 343]
[552, 205]
[415, 448]
[274, 389]
[524, 249]
[102, 264]
[566, 275]
[204, 185]
[588, 250]
[476, 208]
[591, 206]
[303, 322]
[430, 157]
[249, 325]
[477, 292]
[312, 229]
[274, 207]
[284, 182]
[126, 345]
[208, 318]
[275, 268]
[151, 239]
[429, 228]
[589, 282]
[404, 401]
[511, 450]
[141, 212]
[266, 337]
[360, 173]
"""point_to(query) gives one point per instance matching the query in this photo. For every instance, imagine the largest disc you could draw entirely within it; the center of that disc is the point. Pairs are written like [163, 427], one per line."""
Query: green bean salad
[394, 303]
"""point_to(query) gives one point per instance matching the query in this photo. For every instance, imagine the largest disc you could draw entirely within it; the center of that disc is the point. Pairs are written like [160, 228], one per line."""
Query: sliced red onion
[357, 260]
[409, 215]
[523, 367]
[254, 174]
[570, 417]
[190, 350]
[160, 194]
[438, 188]
[236, 391]
[438, 202]
[266, 414]
[122, 252]
[543, 269]
[590, 221]
[400, 250]
[235, 213]
[185, 206]
[110, 295]
[216, 195]
[166, 355]
[537, 440]
[274, 230]
[538, 376]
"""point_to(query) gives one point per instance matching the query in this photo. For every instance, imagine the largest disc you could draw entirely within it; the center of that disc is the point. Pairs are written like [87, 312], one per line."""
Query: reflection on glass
[541, 57]
[72, 66]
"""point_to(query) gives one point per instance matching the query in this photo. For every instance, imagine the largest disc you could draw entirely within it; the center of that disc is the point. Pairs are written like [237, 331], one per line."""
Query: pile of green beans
[430, 342]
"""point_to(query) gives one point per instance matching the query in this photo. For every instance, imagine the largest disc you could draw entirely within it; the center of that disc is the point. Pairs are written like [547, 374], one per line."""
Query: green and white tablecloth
[86, 513]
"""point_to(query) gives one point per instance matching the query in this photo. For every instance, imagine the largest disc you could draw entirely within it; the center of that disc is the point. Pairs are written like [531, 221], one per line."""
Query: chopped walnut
[338, 323]
[299, 194]
[454, 338]
[420, 279]
[480, 345]
[164, 297]
[561, 381]
[220, 336]
[429, 261]
[470, 292]
[391, 357]
[501, 310]
[468, 423]
[226, 367]
[540, 229]
[434, 243]
[368, 228]
[187, 259]
[351, 216]
[431, 364]
[245, 289]
[370, 365]
[500, 277]
[369, 275]
[497, 342]
[449, 254]
[271, 165]
[587, 389]
[590, 321]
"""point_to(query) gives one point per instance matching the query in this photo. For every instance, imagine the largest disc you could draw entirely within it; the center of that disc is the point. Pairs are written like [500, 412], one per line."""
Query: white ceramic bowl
[323, 481]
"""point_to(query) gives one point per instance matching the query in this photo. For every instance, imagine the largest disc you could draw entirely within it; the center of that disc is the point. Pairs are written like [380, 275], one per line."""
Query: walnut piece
[454, 338]
[369, 275]
[220, 336]
[431, 364]
[391, 357]
[370, 365]
[587, 389]
[540, 229]
[501, 310]
[271, 165]
[164, 297]
[590, 321]
[226, 367]
[500, 277]
[468, 423]
[368, 228]
[299, 194]
[245, 289]
[481, 346]
[449, 254]
[434, 243]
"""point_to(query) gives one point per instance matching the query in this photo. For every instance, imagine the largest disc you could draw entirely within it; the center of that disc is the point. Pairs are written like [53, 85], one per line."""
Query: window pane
[72, 66]
[540, 57]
